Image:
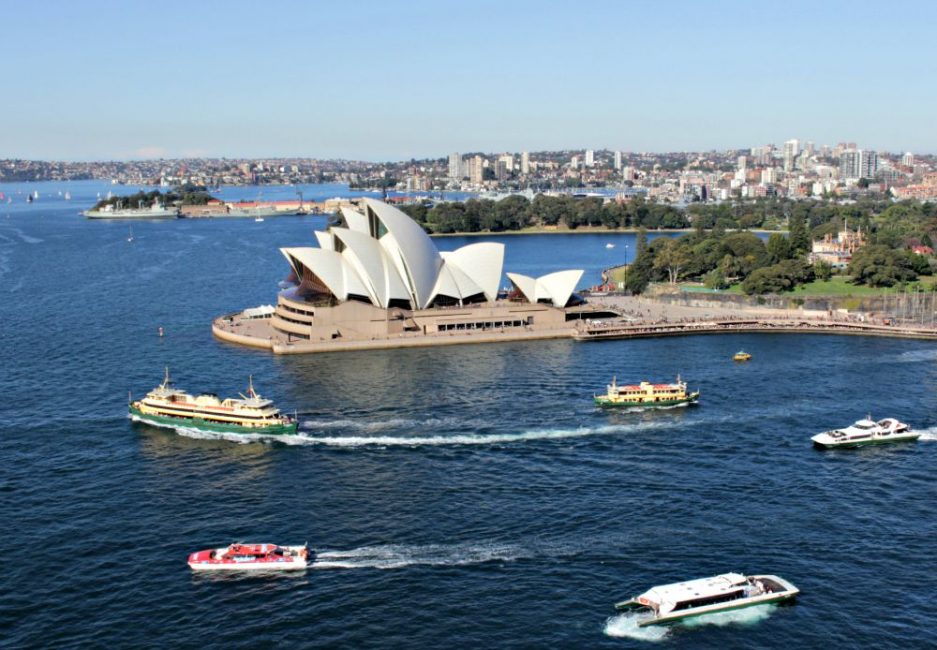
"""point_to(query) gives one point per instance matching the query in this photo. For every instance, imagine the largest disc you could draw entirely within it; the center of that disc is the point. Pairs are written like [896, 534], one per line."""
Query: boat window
[710, 600]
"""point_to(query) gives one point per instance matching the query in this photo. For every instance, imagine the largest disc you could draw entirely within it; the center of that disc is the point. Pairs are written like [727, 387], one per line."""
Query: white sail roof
[384, 256]
[555, 287]
[482, 262]
[412, 247]
[355, 220]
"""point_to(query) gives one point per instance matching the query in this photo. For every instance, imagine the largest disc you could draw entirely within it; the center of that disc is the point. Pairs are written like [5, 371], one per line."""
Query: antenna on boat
[166, 380]
[250, 386]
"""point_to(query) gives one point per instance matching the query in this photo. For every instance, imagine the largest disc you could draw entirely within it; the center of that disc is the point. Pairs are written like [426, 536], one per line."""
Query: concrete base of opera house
[297, 327]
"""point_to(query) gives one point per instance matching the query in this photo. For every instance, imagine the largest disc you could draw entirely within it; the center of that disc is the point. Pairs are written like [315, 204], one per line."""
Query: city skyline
[108, 81]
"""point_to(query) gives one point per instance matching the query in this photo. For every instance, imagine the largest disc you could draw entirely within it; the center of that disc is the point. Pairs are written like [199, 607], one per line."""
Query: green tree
[878, 265]
[822, 270]
[673, 256]
[799, 240]
[779, 248]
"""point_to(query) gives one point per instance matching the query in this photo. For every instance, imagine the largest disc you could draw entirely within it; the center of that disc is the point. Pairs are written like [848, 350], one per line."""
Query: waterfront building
[476, 170]
[455, 167]
[501, 169]
[508, 160]
[377, 276]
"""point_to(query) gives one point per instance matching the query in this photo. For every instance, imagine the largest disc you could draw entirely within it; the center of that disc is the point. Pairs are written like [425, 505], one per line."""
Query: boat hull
[293, 565]
[207, 426]
[703, 611]
[604, 402]
[855, 444]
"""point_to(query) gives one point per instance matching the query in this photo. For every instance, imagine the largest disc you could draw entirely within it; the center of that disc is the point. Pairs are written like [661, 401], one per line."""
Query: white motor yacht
[866, 432]
[671, 603]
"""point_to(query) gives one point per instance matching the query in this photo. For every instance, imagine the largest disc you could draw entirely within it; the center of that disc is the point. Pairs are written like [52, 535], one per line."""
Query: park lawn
[839, 285]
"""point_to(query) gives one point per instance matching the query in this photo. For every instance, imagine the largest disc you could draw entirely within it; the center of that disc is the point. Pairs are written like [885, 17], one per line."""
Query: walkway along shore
[614, 330]
[258, 332]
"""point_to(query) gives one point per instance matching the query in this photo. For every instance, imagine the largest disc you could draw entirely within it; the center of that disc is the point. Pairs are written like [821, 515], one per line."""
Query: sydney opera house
[377, 277]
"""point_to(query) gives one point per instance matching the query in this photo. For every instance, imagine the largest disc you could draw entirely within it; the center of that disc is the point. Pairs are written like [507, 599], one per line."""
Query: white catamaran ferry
[866, 432]
[680, 600]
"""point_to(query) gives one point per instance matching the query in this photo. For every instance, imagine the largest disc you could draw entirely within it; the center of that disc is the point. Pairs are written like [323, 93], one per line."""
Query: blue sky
[98, 80]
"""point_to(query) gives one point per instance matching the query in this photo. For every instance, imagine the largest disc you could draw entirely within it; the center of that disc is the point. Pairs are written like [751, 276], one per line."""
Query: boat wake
[626, 625]
[746, 616]
[378, 425]
[458, 439]
[914, 356]
[929, 434]
[394, 556]
[464, 438]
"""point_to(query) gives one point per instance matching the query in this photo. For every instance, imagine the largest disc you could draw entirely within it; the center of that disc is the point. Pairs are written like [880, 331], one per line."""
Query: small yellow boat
[741, 356]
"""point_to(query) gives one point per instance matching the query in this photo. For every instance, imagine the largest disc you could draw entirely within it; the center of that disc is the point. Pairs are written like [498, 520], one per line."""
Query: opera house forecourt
[377, 280]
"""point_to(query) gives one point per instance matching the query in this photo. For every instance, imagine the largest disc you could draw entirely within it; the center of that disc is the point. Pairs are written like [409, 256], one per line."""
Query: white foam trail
[412, 441]
[379, 425]
[929, 434]
[462, 439]
[394, 556]
[626, 625]
[746, 616]
[918, 355]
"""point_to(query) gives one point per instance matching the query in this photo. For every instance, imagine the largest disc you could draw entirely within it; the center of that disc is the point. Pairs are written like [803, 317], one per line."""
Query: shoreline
[589, 230]
[582, 332]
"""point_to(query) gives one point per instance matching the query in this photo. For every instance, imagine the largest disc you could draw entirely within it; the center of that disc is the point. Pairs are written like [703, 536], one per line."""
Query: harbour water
[466, 496]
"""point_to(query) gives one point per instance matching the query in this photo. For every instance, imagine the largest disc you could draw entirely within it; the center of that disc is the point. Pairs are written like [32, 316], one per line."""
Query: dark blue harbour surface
[457, 497]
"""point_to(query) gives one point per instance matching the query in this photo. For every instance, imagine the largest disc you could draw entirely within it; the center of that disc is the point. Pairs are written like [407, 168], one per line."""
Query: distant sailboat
[609, 245]
[68, 196]
[130, 236]
[36, 194]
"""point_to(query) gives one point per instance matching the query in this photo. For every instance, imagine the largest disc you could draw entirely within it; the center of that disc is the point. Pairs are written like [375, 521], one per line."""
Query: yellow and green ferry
[166, 406]
[646, 395]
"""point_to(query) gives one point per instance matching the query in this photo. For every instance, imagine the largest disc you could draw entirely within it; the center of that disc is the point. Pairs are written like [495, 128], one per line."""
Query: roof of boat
[700, 588]
[864, 423]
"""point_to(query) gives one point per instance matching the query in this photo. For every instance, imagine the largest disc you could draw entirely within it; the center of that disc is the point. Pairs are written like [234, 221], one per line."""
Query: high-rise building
[617, 160]
[525, 163]
[908, 159]
[791, 149]
[858, 163]
[590, 158]
[868, 164]
[742, 163]
[574, 162]
[455, 167]
[508, 160]
[501, 169]
[476, 170]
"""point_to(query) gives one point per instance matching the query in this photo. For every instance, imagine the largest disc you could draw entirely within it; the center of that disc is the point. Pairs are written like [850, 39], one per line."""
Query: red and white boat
[250, 557]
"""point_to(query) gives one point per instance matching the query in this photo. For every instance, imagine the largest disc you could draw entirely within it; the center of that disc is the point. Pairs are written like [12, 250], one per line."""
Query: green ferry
[166, 406]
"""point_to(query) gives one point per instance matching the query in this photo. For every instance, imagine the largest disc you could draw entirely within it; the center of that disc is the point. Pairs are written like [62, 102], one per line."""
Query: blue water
[457, 497]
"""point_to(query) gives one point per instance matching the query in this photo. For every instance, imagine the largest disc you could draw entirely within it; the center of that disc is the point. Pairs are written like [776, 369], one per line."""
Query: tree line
[719, 258]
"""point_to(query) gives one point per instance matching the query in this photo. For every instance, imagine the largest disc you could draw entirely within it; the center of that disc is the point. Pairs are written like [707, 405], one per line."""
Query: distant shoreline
[589, 230]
